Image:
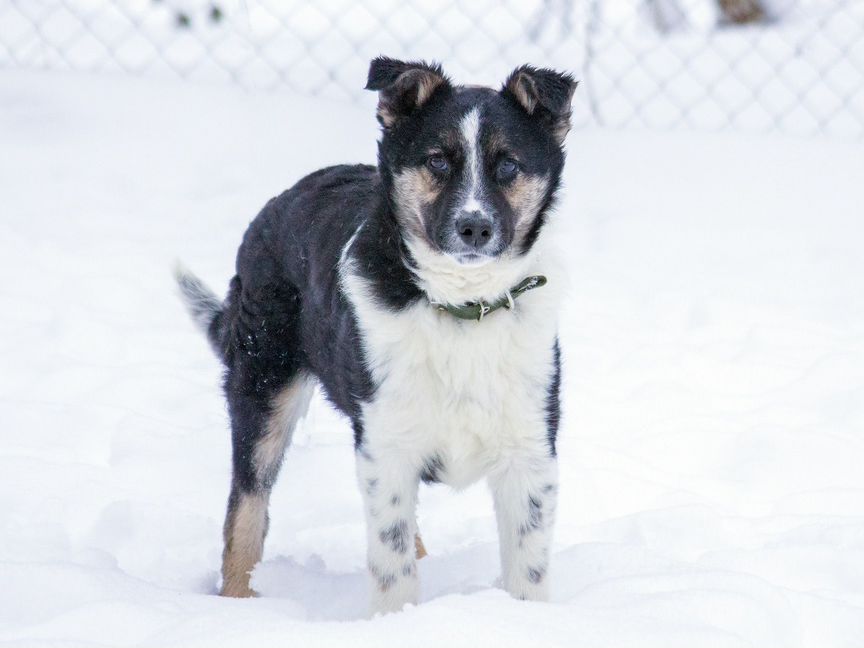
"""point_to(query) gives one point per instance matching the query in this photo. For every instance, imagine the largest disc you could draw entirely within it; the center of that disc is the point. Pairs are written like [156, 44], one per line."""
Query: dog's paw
[531, 587]
[391, 594]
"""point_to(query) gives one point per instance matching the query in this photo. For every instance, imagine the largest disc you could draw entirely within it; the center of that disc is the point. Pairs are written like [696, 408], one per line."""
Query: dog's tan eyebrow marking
[450, 139]
[495, 143]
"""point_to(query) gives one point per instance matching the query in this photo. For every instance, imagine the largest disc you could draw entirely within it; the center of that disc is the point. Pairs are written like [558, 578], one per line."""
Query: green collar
[477, 310]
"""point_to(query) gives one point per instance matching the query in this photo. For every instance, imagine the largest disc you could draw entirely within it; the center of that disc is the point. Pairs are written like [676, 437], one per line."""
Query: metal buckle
[484, 308]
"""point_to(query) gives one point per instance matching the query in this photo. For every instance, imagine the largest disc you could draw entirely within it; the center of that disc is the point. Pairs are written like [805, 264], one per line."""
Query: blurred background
[795, 66]
[712, 439]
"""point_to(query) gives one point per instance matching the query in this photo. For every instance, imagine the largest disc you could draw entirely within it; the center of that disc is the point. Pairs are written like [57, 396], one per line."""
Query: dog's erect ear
[403, 86]
[545, 94]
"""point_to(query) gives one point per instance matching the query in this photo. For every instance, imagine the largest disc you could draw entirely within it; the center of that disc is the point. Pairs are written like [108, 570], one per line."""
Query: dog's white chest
[462, 391]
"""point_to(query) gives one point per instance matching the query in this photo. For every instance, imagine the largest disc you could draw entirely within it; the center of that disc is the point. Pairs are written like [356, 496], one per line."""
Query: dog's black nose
[474, 229]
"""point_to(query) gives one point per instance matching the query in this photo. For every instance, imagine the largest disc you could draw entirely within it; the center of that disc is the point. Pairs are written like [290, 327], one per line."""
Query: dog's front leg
[389, 483]
[525, 492]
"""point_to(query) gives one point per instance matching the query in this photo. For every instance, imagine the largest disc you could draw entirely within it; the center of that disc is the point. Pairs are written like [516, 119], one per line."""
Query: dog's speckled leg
[525, 494]
[389, 488]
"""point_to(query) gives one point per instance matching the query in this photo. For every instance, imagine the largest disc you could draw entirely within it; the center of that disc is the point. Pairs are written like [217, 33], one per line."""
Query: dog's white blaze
[470, 130]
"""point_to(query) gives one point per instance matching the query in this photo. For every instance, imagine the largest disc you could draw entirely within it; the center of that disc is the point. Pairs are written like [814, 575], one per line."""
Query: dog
[413, 293]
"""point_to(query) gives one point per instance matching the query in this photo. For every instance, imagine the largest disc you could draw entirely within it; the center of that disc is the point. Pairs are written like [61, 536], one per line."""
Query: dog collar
[478, 310]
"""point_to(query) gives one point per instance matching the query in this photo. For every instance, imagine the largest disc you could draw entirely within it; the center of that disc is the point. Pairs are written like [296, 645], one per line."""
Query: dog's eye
[438, 164]
[506, 170]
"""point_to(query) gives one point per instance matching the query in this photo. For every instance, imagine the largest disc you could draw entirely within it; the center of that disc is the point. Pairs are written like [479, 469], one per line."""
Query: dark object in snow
[742, 12]
[669, 15]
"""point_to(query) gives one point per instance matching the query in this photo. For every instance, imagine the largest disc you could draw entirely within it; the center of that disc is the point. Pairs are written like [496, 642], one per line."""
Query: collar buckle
[484, 308]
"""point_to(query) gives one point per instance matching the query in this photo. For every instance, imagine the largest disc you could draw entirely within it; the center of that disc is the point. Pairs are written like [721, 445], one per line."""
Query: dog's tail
[203, 305]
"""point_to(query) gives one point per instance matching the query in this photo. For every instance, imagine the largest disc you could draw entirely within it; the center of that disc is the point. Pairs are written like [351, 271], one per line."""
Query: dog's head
[470, 171]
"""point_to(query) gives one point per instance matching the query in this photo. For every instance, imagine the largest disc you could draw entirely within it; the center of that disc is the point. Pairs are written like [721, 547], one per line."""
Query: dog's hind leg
[261, 431]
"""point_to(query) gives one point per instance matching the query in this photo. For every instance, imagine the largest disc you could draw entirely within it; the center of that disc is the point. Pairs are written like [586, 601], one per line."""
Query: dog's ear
[544, 94]
[403, 86]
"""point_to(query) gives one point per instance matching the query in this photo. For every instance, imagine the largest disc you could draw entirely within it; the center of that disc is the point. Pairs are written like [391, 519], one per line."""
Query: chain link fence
[798, 67]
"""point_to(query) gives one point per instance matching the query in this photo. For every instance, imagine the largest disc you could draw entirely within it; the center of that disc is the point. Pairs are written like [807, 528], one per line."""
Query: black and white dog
[370, 281]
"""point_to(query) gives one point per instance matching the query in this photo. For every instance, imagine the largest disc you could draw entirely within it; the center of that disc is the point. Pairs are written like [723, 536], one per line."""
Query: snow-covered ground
[712, 450]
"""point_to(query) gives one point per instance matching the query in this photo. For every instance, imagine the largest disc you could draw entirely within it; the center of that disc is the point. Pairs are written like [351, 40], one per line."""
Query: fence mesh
[650, 63]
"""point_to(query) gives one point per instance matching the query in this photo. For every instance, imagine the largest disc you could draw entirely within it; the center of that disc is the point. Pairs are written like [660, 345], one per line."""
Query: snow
[711, 450]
